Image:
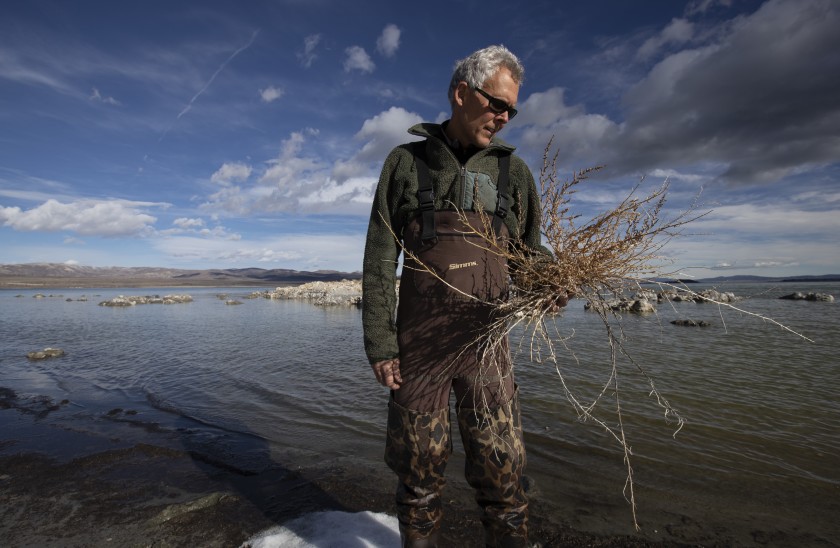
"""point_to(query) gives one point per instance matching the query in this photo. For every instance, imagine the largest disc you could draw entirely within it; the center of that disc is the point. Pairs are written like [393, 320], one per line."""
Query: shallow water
[759, 451]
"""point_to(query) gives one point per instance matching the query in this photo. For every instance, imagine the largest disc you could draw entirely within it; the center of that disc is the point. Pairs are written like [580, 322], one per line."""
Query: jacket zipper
[463, 185]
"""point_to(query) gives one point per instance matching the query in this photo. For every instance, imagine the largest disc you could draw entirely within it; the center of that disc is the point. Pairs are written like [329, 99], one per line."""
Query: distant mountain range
[763, 279]
[58, 274]
[53, 274]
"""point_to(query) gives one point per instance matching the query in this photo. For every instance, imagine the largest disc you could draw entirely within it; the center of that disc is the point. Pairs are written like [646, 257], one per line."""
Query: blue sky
[250, 134]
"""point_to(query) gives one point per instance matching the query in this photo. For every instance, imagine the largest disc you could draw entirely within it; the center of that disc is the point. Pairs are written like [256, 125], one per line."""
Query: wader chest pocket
[458, 266]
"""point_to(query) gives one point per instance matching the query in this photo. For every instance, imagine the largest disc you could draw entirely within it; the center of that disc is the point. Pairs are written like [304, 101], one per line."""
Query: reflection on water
[763, 418]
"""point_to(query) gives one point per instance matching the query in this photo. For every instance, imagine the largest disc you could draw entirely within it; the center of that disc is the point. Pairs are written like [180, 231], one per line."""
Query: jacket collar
[427, 129]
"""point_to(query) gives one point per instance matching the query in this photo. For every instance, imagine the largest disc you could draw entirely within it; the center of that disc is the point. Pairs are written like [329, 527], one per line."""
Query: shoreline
[111, 283]
[94, 488]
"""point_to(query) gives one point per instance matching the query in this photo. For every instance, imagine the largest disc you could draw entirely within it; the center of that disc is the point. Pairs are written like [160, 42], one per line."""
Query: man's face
[476, 119]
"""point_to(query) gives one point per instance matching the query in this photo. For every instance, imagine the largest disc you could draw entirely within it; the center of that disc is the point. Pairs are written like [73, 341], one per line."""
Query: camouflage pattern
[417, 447]
[495, 465]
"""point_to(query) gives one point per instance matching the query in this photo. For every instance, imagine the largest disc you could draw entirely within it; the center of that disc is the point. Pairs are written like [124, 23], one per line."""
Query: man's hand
[388, 373]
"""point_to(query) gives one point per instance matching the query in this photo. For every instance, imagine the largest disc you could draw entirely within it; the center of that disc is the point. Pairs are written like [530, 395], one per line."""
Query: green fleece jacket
[395, 204]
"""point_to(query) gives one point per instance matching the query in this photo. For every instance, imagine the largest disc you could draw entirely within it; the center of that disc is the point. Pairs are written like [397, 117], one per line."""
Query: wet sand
[96, 490]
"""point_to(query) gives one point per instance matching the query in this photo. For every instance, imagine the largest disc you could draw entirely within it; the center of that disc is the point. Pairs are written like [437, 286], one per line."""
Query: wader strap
[503, 205]
[426, 196]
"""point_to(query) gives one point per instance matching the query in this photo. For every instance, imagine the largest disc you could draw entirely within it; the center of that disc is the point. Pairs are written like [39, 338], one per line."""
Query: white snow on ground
[331, 530]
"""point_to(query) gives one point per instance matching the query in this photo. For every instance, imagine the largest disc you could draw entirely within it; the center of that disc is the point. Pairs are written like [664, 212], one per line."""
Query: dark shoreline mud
[152, 496]
[93, 489]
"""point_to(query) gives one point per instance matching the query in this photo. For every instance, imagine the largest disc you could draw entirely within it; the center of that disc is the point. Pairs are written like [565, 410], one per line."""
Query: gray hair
[482, 65]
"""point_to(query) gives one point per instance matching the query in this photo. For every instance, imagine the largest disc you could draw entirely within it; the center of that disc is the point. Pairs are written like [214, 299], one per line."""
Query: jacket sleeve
[530, 219]
[382, 250]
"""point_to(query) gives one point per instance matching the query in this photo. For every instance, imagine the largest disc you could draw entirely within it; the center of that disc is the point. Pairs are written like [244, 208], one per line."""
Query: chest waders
[444, 308]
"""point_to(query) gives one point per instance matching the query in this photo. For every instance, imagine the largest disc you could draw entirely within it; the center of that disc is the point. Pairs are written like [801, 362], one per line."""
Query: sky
[221, 134]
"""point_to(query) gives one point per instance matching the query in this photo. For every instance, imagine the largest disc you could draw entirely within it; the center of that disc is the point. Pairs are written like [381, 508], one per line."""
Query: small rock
[122, 300]
[45, 353]
[638, 306]
[799, 296]
[691, 323]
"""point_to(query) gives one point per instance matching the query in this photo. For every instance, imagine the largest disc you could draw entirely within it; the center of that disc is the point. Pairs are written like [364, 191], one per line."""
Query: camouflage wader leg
[416, 449]
[495, 465]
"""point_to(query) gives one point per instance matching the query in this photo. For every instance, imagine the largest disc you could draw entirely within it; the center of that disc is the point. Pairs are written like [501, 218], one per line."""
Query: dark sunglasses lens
[497, 105]
[500, 107]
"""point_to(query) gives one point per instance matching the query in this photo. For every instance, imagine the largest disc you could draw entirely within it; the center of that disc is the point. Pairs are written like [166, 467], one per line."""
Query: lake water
[758, 460]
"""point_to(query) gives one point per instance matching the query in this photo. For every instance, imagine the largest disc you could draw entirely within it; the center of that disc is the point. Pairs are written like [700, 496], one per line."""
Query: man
[449, 281]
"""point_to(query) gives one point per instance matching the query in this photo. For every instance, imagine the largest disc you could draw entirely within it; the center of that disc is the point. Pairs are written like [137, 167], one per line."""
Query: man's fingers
[388, 373]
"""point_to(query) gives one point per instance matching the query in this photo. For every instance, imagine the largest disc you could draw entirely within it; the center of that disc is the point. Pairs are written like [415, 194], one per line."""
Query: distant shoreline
[107, 283]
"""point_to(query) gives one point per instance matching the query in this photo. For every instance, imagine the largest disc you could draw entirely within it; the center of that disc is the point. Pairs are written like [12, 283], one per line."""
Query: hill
[66, 275]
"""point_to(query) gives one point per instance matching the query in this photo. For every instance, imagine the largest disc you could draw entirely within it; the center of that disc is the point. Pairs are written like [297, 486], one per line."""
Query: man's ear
[461, 93]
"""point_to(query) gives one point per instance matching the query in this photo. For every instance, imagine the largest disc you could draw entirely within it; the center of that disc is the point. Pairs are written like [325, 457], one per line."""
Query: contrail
[219, 70]
[209, 82]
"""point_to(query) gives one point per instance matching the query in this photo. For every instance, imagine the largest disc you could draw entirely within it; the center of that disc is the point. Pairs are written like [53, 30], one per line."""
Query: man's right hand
[388, 373]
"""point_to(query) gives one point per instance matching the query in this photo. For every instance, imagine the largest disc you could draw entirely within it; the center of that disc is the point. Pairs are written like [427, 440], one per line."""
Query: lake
[757, 460]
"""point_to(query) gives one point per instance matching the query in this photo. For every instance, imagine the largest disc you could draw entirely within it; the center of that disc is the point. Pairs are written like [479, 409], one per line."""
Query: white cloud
[231, 173]
[678, 32]
[271, 94]
[380, 134]
[359, 190]
[296, 251]
[755, 102]
[580, 137]
[358, 59]
[702, 6]
[782, 221]
[385, 131]
[84, 217]
[308, 56]
[290, 169]
[184, 222]
[96, 96]
[389, 41]
[298, 180]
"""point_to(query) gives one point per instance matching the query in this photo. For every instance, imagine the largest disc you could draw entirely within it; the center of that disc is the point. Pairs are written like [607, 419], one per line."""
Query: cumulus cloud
[755, 102]
[108, 218]
[358, 59]
[762, 99]
[380, 134]
[279, 186]
[389, 41]
[298, 180]
[271, 94]
[186, 223]
[307, 56]
[231, 173]
[579, 136]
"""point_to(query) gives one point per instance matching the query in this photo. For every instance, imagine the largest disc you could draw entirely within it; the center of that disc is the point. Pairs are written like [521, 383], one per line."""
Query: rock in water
[799, 296]
[691, 323]
[45, 353]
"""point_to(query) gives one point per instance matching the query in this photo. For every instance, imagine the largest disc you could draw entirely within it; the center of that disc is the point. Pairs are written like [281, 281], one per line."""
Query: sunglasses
[498, 105]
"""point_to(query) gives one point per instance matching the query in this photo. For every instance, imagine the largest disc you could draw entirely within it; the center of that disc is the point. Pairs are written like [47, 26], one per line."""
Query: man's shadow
[239, 461]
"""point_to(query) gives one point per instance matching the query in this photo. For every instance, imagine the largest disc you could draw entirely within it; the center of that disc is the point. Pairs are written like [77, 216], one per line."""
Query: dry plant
[602, 260]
